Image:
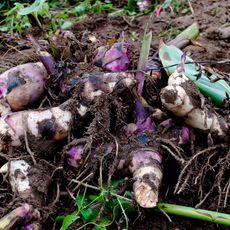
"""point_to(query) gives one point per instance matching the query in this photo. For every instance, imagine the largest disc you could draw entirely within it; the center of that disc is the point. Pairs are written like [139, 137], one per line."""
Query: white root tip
[19, 180]
[148, 179]
[145, 196]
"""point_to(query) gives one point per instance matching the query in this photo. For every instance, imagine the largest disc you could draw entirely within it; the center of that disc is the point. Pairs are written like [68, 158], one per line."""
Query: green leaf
[98, 198]
[2, 5]
[82, 8]
[68, 220]
[99, 228]
[143, 60]
[170, 55]
[81, 201]
[4, 28]
[107, 7]
[89, 215]
[104, 222]
[132, 5]
[166, 4]
[97, 7]
[35, 7]
[66, 25]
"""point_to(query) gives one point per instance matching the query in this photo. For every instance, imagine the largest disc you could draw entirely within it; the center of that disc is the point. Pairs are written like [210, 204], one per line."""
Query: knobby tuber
[94, 85]
[145, 163]
[182, 97]
[19, 181]
[24, 84]
[21, 85]
[147, 173]
[55, 123]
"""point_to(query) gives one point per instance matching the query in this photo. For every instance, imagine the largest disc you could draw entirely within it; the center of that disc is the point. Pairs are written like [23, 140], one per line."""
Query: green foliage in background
[19, 15]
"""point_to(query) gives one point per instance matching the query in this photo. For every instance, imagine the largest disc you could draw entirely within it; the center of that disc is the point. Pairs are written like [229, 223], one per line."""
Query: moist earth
[210, 15]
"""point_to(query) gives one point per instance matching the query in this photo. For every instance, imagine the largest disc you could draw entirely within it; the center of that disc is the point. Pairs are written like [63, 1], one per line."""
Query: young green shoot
[195, 213]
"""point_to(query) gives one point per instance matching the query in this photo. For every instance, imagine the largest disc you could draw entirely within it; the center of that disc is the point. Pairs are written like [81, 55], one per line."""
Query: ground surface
[210, 14]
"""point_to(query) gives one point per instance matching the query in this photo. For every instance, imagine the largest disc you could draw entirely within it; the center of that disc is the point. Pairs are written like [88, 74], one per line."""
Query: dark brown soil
[51, 176]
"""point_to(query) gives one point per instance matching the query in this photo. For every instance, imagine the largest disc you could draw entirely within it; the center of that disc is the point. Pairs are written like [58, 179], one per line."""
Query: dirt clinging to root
[196, 174]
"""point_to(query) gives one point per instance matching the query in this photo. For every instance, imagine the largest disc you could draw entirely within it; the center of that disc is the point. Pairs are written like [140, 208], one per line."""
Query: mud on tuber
[129, 134]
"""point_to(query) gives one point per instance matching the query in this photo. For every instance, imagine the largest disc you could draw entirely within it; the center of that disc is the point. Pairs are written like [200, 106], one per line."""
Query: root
[57, 196]
[28, 148]
[190, 161]
[226, 190]
[114, 164]
[177, 153]
[202, 166]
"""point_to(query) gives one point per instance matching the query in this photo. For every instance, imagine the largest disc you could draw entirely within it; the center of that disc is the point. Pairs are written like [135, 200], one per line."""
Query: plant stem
[124, 213]
[195, 213]
[143, 59]
[200, 214]
[190, 33]
[98, 189]
[45, 57]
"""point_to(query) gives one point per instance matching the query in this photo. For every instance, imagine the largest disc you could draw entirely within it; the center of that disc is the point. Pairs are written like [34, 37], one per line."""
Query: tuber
[19, 181]
[94, 85]
[25, 213]
[145, 163]
[147, 173]
[33, 226]
[53, 124]
[182, 97]
[21, 85]
[114, 59]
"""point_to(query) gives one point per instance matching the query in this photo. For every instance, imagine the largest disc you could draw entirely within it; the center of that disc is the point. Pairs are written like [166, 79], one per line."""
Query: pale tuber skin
[94, 85]
[53, 124]
[181, 96]
[19, 181]
[21, 86]
[147, 173]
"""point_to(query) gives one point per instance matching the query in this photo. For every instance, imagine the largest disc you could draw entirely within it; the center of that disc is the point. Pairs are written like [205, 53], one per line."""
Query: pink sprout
[184, 136]
[158, 10]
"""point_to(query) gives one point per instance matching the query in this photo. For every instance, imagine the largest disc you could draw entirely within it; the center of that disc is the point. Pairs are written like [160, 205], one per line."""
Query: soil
[51, 176]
